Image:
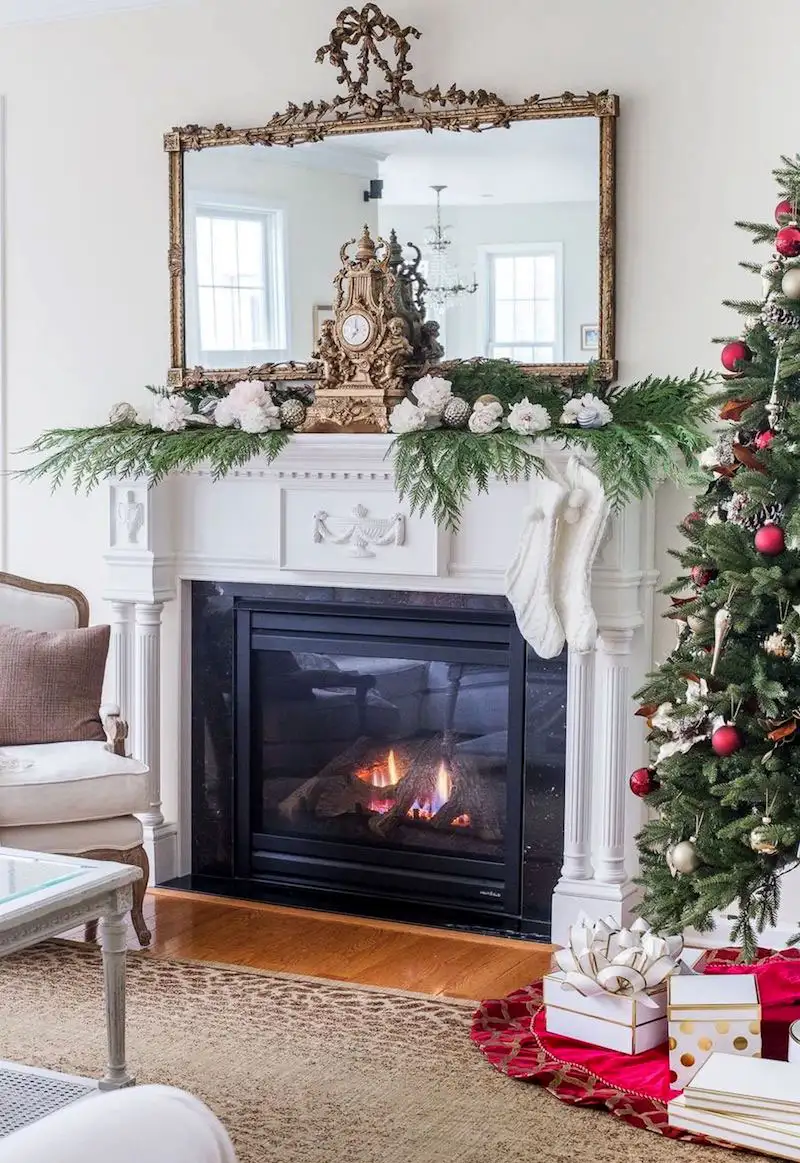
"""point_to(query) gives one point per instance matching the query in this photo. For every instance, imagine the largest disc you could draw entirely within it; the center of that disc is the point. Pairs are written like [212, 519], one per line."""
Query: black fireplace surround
[385, 753]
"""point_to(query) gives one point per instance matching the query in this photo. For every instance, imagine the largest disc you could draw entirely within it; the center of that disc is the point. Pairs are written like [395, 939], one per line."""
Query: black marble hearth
[382, 752]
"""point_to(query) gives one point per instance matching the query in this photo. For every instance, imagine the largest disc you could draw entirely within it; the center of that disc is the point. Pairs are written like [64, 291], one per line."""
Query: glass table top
[23, 875]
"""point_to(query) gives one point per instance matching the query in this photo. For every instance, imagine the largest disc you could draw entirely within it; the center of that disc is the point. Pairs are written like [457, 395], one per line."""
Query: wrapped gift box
[717, 1012]
[771, 1138]
[751, 1088]
[614, 1021]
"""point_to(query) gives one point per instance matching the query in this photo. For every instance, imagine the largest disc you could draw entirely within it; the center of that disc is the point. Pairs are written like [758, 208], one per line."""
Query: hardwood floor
[381, 953]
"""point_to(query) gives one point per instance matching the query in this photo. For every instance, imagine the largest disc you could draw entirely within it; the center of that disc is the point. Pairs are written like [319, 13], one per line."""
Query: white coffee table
[42, 896]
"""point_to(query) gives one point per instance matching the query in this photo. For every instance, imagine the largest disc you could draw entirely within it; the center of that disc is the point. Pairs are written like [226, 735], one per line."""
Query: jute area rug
[308, 1071]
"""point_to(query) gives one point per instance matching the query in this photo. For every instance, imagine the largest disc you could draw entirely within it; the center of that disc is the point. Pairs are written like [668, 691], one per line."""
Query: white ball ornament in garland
[486, 416]
[122, 413]
[587, 411]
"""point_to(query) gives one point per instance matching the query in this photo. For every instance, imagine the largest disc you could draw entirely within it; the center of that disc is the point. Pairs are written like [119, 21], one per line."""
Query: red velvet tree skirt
[511, 1034]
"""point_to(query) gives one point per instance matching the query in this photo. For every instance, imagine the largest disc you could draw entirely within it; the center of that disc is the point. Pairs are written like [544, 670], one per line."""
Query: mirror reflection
[506, 220]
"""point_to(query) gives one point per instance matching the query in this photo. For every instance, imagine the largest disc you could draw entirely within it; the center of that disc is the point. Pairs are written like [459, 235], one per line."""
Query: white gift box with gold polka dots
[708, 1013]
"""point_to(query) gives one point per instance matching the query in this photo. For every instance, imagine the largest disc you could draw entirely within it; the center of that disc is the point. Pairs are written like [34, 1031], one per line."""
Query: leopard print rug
[307, 1071]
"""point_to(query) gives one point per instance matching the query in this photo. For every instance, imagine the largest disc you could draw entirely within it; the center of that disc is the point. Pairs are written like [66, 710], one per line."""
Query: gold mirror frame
[358, 111]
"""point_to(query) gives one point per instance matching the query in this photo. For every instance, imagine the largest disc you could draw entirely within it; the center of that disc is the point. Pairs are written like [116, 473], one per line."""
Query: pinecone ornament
[778, 319]
[765, 515]
[292, 413]
[456, 413]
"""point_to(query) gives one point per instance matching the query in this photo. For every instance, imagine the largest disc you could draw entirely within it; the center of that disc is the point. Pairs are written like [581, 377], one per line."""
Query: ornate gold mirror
[499, 218]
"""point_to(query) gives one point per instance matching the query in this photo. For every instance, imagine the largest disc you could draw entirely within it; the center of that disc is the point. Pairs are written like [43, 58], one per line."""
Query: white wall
[572, 224]
[89, 99]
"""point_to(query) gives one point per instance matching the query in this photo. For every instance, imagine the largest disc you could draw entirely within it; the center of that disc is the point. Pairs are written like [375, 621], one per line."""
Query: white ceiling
[28, 11]
[531, 161]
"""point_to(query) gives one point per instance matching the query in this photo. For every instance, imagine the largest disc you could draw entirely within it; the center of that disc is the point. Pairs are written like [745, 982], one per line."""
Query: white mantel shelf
[280, 523]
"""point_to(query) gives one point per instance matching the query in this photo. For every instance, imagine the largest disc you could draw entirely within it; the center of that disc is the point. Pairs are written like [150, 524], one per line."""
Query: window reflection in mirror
[511, 251]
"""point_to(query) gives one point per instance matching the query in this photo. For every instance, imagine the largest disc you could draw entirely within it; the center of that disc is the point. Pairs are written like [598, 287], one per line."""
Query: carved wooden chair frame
[116, 732]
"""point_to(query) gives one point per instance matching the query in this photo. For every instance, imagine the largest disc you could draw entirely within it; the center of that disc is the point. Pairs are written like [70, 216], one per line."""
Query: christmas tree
[724, 708]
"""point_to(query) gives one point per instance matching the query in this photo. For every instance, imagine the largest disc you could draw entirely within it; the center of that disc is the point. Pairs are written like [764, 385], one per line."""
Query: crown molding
[37, 11]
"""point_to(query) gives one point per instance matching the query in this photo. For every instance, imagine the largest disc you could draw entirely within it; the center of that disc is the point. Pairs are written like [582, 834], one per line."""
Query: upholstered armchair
[71, 798]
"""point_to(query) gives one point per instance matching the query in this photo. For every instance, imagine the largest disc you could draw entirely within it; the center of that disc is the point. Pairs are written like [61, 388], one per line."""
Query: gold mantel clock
[377, 340]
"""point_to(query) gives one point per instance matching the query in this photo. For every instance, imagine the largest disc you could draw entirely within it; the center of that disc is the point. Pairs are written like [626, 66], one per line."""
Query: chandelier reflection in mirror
[443, 281]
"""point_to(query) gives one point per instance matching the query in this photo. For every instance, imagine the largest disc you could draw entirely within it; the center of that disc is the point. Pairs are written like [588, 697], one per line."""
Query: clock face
[356, 330]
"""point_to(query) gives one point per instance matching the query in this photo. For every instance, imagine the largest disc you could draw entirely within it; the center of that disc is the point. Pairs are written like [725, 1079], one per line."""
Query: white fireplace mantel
[325, 512]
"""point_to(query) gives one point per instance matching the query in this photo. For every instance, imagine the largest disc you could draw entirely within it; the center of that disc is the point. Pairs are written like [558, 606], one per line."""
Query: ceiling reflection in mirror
[507, 222]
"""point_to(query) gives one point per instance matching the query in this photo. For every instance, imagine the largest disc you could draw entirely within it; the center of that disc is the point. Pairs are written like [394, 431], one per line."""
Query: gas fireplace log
[335, 790]
[471, 797]
[417, 784]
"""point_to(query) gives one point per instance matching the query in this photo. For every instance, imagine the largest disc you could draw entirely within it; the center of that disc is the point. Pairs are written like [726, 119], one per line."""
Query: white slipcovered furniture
[72, 799]
[145, 1124]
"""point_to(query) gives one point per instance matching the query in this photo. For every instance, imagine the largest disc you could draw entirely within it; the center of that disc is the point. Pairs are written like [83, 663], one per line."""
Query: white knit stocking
[583, 524]
[529, 578]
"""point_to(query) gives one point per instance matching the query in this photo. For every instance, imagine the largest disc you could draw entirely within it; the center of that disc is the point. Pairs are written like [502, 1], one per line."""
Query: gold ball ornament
[790, 283]
[760, 841]
[779, 645]
[487, 399]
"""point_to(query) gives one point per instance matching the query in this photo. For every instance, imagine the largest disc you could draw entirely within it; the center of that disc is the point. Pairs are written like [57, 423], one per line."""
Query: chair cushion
[120, 834]
[51, 684]
[69, 782]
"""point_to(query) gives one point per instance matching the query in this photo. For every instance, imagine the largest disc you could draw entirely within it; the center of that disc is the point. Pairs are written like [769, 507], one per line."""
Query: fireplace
[386, 752]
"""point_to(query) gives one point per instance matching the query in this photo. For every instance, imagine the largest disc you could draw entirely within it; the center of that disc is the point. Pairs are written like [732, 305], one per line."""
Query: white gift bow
[603, 958]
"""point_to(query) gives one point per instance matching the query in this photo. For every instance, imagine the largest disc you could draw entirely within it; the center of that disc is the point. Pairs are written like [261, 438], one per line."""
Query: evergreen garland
[656, 430]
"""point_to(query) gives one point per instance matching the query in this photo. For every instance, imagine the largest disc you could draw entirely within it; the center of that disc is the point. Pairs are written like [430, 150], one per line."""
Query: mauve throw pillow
[51, 684]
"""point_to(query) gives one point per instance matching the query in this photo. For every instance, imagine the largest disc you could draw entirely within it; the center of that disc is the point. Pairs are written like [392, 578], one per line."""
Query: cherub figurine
[395, 353]
[334, 362]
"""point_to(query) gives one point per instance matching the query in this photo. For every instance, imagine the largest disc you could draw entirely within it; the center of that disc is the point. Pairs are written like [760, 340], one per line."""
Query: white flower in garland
[432, 394]
[485, 418]
[255, 417]
[526, 418]
[406, 417]
[170, 413]
[587, 411]
[249, 406]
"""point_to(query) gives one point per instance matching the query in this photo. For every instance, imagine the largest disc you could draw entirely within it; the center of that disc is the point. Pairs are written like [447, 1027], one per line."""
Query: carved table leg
[113, 941]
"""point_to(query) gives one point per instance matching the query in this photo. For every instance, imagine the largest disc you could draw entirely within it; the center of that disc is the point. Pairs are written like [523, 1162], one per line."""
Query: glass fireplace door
[382, 751]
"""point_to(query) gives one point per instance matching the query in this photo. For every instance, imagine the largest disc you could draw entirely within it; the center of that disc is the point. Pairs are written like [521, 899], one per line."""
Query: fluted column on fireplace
[137, 588]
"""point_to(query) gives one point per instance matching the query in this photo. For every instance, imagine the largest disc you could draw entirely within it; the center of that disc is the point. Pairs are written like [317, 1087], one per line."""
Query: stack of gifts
[610, 988]
[749, 1102]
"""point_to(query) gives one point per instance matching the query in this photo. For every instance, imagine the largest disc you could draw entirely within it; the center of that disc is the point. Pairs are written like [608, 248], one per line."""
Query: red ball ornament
[735, 352]
[764, 439]
[727, 740]
[770, 540]
[691, 518]
[701, 575]
[787, 241]
[784, 209]
[643, 781]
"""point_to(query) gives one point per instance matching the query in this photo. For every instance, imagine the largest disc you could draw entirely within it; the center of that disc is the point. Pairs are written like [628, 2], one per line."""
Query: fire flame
[382, 775]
